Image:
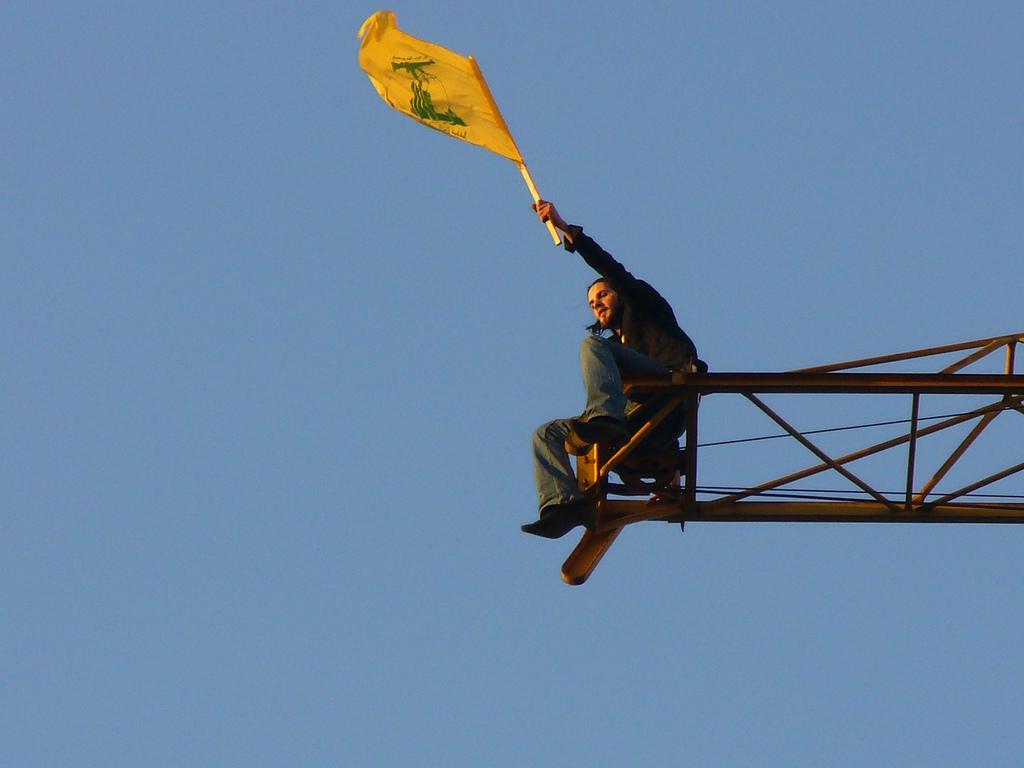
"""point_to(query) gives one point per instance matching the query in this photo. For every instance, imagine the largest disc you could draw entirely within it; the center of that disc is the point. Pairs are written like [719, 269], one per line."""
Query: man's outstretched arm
[602, 262]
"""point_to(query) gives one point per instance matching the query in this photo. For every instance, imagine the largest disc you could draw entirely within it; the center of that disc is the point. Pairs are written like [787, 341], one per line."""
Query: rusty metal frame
[837, 378]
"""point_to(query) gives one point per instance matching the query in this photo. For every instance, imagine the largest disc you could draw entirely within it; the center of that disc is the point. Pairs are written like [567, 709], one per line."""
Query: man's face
[604, 303]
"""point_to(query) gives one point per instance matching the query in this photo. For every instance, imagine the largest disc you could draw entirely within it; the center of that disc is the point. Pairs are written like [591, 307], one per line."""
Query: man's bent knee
[594, 347]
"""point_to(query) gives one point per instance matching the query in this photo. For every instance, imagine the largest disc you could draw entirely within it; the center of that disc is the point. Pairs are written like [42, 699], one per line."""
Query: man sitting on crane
[635, 333]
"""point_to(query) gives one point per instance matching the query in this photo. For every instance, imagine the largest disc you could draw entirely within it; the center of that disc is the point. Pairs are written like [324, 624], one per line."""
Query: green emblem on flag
[422, 103]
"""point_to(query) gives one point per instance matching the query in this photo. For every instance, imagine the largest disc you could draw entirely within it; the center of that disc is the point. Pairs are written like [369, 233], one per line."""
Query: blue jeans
[603, 362]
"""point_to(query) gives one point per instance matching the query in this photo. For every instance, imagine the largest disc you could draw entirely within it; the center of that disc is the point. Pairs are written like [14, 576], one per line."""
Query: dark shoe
[603, 430]
[556, 520]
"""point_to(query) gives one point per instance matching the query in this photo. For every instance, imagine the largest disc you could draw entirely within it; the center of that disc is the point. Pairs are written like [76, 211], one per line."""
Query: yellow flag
[432, 85]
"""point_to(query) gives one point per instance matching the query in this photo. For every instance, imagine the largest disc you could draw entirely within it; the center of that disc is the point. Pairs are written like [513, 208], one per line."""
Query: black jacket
[648, 323]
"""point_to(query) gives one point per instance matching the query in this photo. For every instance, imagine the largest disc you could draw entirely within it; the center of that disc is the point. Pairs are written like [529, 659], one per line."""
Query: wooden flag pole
[536, 198]
[504, 126]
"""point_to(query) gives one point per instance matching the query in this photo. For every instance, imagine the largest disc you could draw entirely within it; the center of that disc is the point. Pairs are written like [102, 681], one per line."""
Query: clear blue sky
[272, 354]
